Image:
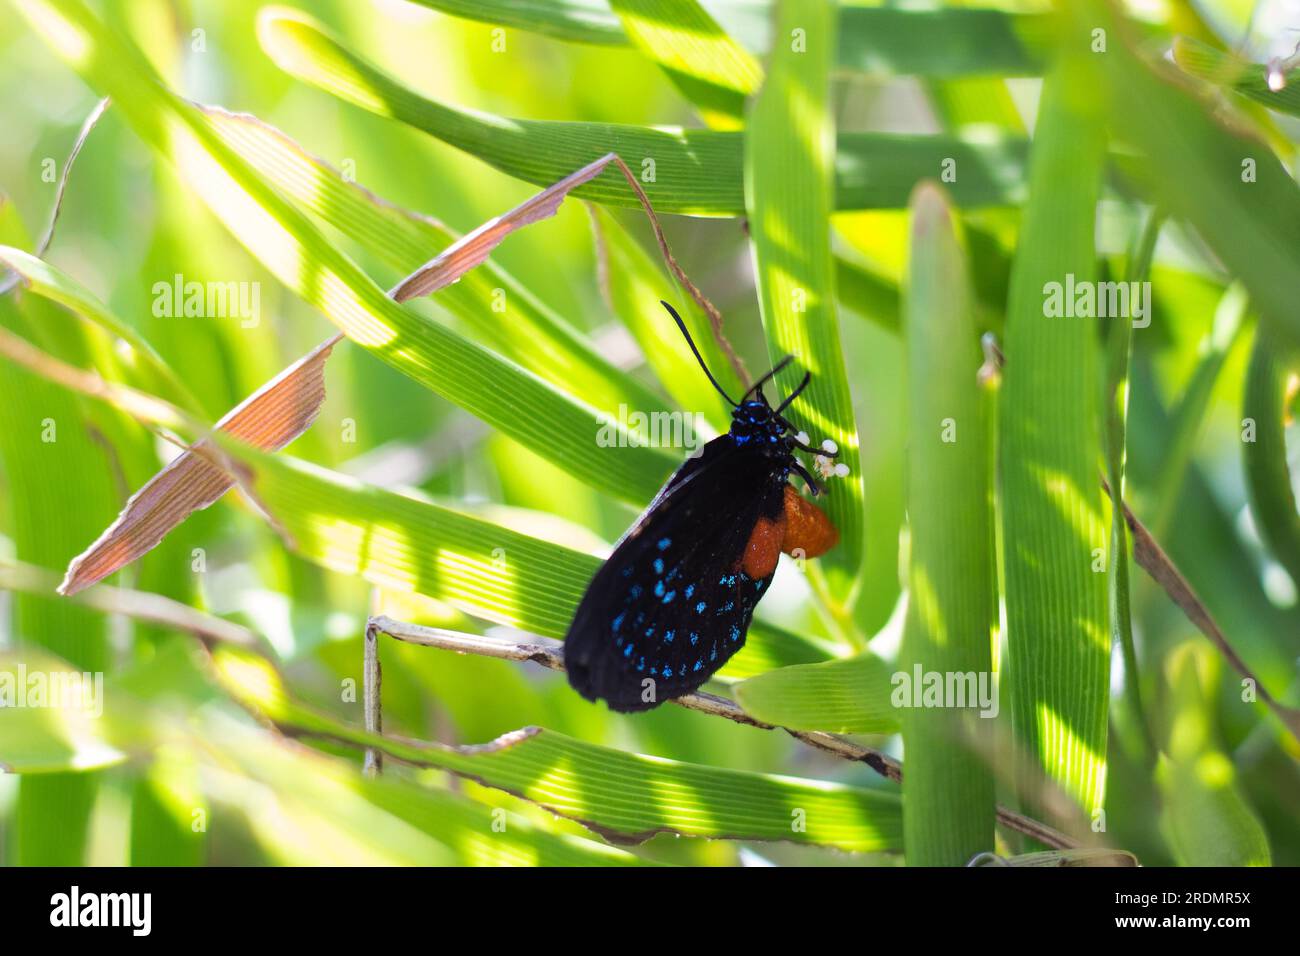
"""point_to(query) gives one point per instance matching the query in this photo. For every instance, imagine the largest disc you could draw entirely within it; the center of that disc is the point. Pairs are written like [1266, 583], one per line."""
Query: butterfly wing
[671, 605]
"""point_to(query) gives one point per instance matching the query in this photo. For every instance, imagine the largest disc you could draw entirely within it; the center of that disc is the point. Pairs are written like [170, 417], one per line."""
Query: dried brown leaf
[269, 419]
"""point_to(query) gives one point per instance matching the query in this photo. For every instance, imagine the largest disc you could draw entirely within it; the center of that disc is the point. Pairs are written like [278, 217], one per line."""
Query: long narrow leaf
[849, 696]
[1222, 179]
[500, 310]
[293, 249]
[949, 42]
[1119, 350]
[683, 171]
[59, 488]
[1058, 650]
[630, 794]
[635, 285]
[789, 153]
[1275, 87]
[1205, 817]
[1264, 450]
[304, 807]
[948, 787]
[712, 70]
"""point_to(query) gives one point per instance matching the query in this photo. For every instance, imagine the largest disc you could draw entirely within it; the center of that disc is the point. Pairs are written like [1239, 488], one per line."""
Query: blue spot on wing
[688, 553]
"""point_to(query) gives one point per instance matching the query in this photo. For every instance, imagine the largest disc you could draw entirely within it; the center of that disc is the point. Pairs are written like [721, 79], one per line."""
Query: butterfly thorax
[753, 423]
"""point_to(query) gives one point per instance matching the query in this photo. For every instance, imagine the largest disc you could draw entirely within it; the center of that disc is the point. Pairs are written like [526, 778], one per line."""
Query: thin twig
[372, 679]
[44, 245]
[82, 135]
[475, 246]
[550, 654]
[715, 317]
[138, 605]
[1152, 558]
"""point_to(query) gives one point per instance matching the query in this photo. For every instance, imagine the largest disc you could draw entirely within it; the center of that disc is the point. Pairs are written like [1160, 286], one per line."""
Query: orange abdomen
[801, 528]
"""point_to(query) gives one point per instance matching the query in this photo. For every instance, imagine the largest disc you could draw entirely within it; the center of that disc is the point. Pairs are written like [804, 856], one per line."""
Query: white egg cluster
[825, 466]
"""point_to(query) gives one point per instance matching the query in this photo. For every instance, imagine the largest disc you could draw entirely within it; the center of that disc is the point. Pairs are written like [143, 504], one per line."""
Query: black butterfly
[674, 601]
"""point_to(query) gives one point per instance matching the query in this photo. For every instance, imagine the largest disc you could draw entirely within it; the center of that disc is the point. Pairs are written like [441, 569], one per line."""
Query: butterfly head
[754, 421]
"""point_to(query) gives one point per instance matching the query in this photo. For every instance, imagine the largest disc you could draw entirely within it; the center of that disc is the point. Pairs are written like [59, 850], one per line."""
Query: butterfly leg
[808, 479]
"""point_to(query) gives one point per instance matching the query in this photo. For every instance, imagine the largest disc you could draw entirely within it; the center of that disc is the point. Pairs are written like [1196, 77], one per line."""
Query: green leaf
[578, 21]
[1205, 817]
[1249, 79]
[635, 285]
[958, 42]
[59, 493]
[870, 295]
[789, 156]
[712, 70]
[49, 282]
[501, 312]
[293, 249]
[38, 738]
[330, 815]
[1268, 475]
[1225, 182]
[849, 696]
[1058, 647]
[1119, 351]
[951, 609]
[697, 172]
[633, 795]
[1229, 325]
[305, 808]
[1206, 547]
[944, 43]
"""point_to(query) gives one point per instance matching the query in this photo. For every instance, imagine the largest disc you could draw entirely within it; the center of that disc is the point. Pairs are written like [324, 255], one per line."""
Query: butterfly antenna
[698, 357]
[807, 377]
[778, 367]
